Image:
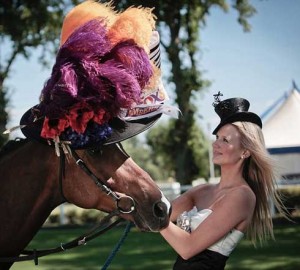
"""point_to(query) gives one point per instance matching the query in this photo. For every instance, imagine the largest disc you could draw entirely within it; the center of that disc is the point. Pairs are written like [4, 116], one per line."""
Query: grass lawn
[149, 251]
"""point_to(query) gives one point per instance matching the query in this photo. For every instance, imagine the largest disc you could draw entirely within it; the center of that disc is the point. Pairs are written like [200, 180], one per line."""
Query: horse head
[117, 171]
[34, 181]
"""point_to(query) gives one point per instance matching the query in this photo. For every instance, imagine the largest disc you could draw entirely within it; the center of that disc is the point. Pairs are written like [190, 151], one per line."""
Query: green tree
[144, 157]
[179, 23]
[24, 26]
[159, 139]
[3, 115]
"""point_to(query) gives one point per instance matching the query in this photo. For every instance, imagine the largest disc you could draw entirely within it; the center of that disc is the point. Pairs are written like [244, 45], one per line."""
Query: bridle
[99, 183]
[99, 229]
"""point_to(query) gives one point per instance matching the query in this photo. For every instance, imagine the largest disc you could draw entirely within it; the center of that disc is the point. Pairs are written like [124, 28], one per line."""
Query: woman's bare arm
[232, 209]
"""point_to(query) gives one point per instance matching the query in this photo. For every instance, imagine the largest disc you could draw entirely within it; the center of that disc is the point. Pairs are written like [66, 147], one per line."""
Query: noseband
[99, 183]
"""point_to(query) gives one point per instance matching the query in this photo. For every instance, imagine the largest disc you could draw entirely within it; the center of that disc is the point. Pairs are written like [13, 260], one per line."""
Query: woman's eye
[225, 140]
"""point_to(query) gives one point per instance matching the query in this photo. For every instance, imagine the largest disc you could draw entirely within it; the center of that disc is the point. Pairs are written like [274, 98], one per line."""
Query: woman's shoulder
[203, 188]
[240, 195]
[244, 191]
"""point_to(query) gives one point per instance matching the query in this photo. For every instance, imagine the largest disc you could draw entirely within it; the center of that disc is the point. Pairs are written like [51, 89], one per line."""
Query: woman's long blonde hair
[260, 173]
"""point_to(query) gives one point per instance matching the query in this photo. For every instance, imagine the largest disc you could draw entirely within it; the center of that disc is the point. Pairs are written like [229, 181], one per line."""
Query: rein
[27, 255]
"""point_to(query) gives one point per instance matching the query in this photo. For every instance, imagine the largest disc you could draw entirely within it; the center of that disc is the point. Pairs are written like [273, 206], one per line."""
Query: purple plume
[88, 70]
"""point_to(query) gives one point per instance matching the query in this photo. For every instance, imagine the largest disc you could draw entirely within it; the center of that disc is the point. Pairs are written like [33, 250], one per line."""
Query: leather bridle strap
[81, 240]
[97, 181]
[104, 187]
[61, 176]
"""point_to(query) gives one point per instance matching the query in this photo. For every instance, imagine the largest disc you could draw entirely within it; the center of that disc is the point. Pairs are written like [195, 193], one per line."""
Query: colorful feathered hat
[106, 84]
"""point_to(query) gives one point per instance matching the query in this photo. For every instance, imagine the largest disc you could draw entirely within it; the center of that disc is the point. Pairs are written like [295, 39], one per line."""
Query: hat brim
[239, 117]
[121, 130]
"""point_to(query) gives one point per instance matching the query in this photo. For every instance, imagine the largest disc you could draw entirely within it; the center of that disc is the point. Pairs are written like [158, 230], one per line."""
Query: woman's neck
[231, 176]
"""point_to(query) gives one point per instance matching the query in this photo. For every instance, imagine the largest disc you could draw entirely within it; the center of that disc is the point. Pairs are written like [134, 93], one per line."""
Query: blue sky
[259, 65]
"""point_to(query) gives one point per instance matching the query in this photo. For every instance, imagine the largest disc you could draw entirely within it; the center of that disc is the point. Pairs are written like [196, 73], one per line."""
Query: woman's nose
[215, 144]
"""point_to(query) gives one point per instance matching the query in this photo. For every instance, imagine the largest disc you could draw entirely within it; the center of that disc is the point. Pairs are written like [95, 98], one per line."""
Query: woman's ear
[246, 154]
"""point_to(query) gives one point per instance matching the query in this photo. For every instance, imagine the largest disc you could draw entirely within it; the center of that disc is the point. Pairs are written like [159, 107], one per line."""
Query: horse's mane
[12, 145]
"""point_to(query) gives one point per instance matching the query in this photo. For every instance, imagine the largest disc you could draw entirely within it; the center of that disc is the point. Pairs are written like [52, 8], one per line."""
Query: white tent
[282, 134]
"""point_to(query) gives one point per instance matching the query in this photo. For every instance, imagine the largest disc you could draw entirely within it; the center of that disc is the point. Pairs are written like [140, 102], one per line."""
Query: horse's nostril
[160, 210]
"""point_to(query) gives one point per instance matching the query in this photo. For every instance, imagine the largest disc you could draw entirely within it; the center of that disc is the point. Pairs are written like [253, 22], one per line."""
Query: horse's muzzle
[161, 210]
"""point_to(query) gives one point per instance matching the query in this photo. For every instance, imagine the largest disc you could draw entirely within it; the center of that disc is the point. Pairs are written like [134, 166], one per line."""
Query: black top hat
[234, 110]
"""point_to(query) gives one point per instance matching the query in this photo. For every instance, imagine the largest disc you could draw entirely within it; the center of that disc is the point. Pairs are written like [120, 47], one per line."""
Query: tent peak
[295, 86]
[277, 103]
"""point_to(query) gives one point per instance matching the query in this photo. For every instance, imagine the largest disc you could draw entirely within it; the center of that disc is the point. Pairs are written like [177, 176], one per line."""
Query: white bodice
[190, 220]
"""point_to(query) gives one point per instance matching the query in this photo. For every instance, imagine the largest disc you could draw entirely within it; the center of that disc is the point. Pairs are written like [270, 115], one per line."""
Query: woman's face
[227, 149]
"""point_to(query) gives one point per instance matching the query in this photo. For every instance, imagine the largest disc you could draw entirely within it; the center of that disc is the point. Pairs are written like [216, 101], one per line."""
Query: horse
[33, 183]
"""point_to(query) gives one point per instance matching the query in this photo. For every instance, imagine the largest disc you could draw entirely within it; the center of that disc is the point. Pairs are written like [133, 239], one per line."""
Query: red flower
[53, 128]
[100, 117]
[79, 116]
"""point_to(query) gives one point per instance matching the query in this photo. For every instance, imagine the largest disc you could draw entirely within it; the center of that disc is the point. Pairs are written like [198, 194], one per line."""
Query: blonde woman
[213, 218]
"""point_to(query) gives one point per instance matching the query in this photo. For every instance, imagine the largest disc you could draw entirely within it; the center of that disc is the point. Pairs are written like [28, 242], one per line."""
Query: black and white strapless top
[190, 220]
